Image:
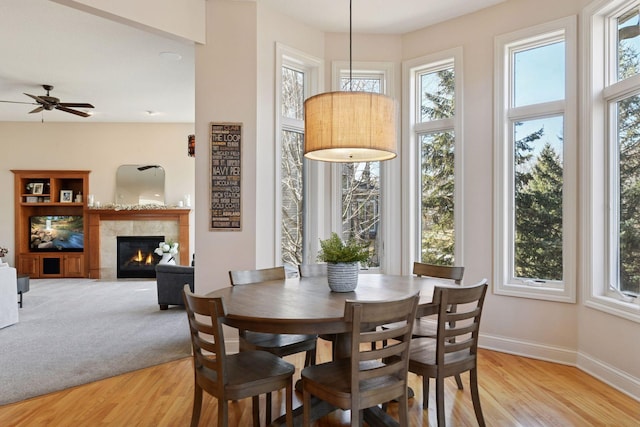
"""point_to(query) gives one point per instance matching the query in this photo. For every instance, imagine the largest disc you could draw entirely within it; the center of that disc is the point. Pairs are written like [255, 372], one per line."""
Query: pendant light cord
[350, 47]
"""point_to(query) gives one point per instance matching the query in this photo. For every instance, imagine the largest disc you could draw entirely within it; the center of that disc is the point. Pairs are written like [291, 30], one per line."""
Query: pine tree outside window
[435, 136]
[535, 165]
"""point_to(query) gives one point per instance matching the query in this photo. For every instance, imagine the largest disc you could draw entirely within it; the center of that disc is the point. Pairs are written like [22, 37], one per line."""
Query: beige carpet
[75, 331]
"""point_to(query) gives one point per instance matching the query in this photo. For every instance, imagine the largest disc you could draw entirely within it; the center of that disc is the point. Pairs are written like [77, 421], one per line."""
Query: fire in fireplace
[136, 257]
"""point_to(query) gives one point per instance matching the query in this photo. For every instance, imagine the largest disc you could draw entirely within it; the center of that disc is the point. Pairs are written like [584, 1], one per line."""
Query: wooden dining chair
[455, 348]
[280, 345]
[426, 327]
[233, 376]
[364, 380]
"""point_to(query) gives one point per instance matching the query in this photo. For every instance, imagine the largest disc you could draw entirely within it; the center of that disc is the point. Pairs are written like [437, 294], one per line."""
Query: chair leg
[357, 417]
[475, 396]
[403, 410]
[310, 358]
[223, 413]
[197, 405]
[459, 382]
[440, 401]
[268, 409]
[289, 405]
[425, 392]
[255, 405]
[306, 407]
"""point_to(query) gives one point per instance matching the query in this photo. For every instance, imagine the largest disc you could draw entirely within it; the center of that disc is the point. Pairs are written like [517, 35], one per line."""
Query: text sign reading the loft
[226, 149]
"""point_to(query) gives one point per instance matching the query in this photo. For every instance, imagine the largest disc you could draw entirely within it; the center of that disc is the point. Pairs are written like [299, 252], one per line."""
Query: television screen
[53, 233]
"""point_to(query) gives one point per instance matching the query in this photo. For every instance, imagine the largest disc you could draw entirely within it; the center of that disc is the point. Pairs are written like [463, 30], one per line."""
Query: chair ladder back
[207, 338]
[439, 271]
[365, 317]
[247, 277]
[458, 330]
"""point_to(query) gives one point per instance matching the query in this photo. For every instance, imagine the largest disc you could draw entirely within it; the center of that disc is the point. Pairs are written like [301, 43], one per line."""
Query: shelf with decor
[50, 227]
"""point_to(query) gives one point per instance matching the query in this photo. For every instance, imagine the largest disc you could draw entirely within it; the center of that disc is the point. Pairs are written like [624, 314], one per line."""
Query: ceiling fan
[48, 102]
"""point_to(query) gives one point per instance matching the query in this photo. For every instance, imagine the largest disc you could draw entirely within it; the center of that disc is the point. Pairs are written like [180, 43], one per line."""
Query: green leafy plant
[334, 250]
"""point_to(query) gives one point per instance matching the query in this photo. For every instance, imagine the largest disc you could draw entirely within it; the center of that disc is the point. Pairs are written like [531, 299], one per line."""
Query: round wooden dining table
[307, 306]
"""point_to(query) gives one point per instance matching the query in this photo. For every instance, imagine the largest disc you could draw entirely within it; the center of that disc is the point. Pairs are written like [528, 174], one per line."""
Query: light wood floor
[514, 391]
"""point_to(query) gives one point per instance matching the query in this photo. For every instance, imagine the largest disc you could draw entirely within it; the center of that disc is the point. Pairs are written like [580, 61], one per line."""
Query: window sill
[616, 307]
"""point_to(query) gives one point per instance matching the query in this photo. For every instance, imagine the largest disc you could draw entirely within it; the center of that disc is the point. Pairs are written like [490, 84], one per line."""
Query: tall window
[435, 136]
[612, 267]
[360, 188]
[297, 74]
[534, 123]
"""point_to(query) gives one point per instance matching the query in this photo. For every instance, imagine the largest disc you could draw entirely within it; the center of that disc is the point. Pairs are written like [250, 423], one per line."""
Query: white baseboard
[610, 375]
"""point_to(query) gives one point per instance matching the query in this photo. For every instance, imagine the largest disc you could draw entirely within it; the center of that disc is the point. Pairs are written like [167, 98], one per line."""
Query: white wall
[226, 74]
[98, 147]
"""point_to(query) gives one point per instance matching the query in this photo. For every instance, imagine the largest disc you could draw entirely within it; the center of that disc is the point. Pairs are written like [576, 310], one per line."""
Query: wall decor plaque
[226, 174]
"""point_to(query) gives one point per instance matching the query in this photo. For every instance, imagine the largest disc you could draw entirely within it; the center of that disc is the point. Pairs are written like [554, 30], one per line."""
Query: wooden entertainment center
[49, 193]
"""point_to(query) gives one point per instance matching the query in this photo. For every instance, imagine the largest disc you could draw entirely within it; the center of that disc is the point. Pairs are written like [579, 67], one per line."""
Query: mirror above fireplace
[140, 185]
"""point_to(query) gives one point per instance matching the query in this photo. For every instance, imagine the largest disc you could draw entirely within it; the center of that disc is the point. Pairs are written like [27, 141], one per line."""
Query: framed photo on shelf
[66, 196]
[38, 188]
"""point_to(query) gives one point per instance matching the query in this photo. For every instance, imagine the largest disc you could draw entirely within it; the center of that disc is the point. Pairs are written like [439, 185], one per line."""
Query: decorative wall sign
[226, 167]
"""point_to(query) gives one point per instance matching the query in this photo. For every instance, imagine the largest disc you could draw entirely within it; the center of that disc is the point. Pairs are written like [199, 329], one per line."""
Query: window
[298, 79]
[535, 162]
[361, 183]
[435, 137]
[612, 158]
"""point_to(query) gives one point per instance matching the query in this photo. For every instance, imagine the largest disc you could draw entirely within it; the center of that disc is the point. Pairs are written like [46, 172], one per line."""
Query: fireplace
[136, 257]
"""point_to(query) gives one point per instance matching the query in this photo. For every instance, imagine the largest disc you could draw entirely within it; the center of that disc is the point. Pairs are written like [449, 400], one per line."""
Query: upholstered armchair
[171, 279]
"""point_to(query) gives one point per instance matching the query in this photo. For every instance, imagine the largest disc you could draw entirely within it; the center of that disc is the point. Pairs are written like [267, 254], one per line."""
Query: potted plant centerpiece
[342, 262]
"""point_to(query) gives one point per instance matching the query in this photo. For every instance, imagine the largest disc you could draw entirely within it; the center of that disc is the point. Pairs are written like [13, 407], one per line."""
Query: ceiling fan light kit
[49, 103]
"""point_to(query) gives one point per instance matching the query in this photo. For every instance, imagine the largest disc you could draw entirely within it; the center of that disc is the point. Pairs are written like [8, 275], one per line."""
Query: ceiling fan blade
[37, 98]
[76, 104]
[19, 102]
[69, 110]
[36, 110]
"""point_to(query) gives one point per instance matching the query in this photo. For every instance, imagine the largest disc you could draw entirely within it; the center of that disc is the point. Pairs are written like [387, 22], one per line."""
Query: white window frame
[312, 67]
[388, 256]
[412, 69]
[599, 88]
[505, 45]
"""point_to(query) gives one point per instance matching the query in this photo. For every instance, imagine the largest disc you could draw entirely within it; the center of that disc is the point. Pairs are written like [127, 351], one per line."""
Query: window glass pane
[292, 197]
[361, 206]
[628, 44]
[537, 196]
[628, 116]
[361, 185]
[361, 84]
[292, 94]
[437, 190]
[437, 95]
[538, 74]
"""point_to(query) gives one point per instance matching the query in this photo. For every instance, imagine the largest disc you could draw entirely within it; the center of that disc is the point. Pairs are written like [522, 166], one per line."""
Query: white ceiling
[120, 69]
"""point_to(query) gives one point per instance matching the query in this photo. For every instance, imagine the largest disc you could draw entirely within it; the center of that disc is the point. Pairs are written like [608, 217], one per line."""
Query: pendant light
[350, 126]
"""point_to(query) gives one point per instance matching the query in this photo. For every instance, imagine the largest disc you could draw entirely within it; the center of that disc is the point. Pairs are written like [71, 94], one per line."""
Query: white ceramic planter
[342, 277]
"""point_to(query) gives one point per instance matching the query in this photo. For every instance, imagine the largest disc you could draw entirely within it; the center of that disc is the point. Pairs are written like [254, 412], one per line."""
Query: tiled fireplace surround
[106, 225]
